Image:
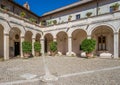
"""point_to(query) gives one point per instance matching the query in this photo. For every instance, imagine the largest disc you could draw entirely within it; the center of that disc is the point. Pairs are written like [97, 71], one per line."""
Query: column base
[48, 78]
[71, 54]
[116, 57]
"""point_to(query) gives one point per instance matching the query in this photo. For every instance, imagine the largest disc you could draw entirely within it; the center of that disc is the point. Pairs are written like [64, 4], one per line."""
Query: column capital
[70, 37]
[33, 38]
[6, 34]
[22, 36]
[116, 33]
[88, 36]
[42, 39]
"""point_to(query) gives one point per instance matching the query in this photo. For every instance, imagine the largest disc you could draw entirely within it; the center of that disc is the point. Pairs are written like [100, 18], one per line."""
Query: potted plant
[32, 20]
[115, 6]
[88, 45]
[26, 48]
[53, 48]
[88, 14]
[6, 9]
[37, 48]
[69, 18]
[54, 21]
[22, 14]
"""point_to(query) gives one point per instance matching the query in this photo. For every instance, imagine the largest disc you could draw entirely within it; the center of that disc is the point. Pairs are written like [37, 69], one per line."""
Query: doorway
[17, 48]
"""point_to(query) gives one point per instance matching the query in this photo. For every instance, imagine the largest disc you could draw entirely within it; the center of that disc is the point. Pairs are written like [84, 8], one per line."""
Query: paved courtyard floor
[69, 70]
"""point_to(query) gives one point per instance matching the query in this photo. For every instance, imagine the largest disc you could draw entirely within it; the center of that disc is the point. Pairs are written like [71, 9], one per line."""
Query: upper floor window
[78, 16]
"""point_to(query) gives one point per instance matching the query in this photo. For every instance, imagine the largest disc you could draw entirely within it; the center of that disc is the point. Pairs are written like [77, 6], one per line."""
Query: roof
[68, 6]
[23, 7]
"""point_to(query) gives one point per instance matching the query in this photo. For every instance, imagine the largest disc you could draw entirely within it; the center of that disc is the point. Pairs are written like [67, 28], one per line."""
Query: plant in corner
[88, 14]
[88, 45]
[26, 48]
[115, 6]
[53, 48]
[37, 48]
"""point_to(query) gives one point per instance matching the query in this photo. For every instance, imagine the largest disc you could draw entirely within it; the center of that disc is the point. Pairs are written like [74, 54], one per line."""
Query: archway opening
[38, 36]
[28, 36]
[62, 42]
[48, 38]
[14, 41]
[104, 39]
[77, 37]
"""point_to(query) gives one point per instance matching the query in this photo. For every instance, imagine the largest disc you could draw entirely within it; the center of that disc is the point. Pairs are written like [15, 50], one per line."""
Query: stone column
[33, 52]
[54, 39]
[6, 46]
[88, 36]
[21, 40]
[69, 46]
[42, 46]
[116, 45]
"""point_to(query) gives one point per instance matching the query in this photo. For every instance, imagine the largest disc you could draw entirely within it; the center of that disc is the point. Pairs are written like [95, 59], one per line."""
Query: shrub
[37, 46]
[32, 20]
[88, 14]
[53, 46]
[26, 47]
[22, 14]
[88, 45]
[115, 6]
[55, 21]
[69, 18]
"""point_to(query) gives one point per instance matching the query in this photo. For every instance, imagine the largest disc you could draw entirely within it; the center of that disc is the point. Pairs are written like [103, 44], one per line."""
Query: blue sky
[40, 7]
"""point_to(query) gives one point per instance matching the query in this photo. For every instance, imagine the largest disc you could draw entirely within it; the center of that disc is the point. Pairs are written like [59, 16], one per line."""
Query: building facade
[69, 26]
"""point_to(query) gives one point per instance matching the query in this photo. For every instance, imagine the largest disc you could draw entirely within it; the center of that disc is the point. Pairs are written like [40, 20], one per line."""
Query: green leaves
[37, 46]
[26, 47]
[53, 46]
[88, 45]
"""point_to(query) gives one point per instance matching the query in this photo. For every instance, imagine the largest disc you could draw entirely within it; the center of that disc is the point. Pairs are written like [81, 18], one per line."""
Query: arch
[72, 30]
[14, 42]
[28, 36]
[20, 28]
[1, 41]
[78, 36]
[62, 42]
[90, 30]
[38, 36]
[104, 39]
[48, 38]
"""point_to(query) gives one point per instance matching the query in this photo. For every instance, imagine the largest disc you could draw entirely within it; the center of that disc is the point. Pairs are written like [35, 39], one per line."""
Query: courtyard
[69, 70]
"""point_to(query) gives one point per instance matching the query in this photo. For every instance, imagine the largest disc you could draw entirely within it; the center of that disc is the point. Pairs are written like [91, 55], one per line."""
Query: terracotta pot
[26, 55]
[37, 53]
[115, 8]
[53, 53]
[89, 55]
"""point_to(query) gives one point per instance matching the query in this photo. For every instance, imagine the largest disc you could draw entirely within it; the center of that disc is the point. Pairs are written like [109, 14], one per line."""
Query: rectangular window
[111, 9]
[77, 16]
[101, 43]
